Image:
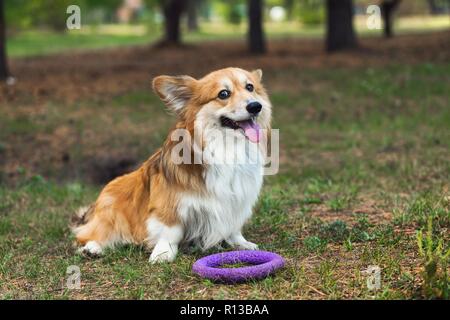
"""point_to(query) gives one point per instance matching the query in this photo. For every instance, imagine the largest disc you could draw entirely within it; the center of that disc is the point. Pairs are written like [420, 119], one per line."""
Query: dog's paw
[246, 245]
[236, 240]
[91, 249]
[163, 252]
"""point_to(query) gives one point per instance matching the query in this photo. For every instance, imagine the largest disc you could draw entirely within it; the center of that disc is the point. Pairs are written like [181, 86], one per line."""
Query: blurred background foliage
[39, 27]
[24, 14]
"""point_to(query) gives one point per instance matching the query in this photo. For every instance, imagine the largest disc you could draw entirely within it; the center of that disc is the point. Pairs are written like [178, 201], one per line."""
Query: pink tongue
[251, 130]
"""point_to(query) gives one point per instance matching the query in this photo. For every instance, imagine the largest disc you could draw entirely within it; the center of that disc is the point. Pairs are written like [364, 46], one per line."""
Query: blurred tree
[50, 13]
[387, 9]
[439, 6]
[205, 9]
[26, 14]
[312, 12]
[340, 32]
[433, 7]
[289, 6]
[151, 14]
[4, 73]
[256, 38]
[107, 8]
[192, 14]
[234, 12]
[105, 4]
[172, 10]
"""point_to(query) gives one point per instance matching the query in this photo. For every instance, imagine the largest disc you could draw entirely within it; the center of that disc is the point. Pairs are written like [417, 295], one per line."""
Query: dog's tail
[81, 217]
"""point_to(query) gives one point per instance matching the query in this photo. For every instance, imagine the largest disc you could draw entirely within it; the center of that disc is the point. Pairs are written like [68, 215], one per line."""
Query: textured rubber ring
[262, 263]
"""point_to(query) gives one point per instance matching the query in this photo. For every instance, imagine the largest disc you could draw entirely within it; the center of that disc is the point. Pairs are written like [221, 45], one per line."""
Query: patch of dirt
[367, 207]
[104, 169]
[101, 73]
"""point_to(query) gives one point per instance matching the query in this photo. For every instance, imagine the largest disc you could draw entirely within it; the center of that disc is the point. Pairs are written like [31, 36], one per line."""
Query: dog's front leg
[237, 240]
[166, 247]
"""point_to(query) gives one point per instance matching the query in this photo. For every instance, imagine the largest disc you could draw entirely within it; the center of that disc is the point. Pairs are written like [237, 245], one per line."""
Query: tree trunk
[4, 73]
[172, 10]
[256, 39]
[192, 15]
[387, 9]
[340, 32]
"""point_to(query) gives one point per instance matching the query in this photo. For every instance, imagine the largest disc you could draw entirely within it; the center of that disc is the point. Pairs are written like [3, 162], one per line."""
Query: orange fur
[127, 202]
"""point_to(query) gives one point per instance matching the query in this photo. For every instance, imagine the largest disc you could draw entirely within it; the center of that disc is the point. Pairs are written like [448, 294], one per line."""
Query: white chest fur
[232, 190]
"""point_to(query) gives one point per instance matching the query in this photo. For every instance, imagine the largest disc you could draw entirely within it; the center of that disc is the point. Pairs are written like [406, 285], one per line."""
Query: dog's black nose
[254, 107]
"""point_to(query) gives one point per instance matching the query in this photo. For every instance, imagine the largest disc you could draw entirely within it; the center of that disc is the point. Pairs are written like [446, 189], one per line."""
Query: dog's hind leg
[95, 236]
[100, 226]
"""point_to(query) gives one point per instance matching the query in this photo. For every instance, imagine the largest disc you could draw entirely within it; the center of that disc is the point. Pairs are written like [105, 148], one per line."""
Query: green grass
[435, 258]
[35, 43]
[365, 167]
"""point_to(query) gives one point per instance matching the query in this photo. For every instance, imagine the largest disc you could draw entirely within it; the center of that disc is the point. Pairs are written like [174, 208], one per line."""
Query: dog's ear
[257, 74]
[174, 91]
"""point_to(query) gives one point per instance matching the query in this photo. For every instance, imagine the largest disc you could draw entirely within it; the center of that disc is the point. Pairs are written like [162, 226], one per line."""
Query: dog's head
[225, 99]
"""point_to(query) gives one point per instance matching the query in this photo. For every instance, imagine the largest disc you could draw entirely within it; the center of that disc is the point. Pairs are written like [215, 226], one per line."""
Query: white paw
[246, 245]
[163, 252]
[91, 248]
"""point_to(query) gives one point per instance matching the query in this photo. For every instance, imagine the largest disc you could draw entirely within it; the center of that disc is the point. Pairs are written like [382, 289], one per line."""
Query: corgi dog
[204, 201]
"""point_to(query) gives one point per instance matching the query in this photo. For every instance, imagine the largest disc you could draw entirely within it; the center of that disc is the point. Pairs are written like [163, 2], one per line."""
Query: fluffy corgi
[202, 199]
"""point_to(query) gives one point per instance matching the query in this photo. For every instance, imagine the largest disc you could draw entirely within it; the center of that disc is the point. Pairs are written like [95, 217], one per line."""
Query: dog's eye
[249, 87]
[224, 94]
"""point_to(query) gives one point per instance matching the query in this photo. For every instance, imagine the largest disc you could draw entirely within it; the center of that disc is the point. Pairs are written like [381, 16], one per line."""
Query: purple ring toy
[262, 263]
